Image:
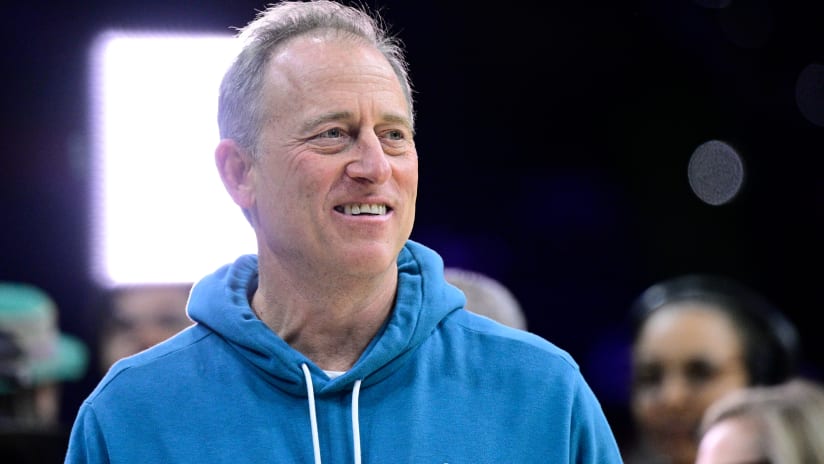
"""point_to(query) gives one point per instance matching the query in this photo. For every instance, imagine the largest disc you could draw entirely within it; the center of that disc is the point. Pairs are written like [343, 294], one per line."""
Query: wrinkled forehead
[316, 75]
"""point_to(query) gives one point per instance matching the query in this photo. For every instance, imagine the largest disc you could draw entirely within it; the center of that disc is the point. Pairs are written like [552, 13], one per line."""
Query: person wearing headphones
[696, 338]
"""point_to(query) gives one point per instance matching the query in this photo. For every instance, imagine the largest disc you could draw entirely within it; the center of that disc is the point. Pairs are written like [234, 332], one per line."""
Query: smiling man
[339, 340]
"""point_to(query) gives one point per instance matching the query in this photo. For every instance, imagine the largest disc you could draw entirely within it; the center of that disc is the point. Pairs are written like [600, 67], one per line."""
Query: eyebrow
[346, 115]
[333, 116]
[398, 120]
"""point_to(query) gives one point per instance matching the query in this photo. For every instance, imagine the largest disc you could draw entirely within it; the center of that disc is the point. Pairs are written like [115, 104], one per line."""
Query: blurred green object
[33, 351]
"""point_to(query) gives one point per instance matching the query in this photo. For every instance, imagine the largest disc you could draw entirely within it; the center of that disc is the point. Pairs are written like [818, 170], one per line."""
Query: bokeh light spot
[716, 172]
[809, 93]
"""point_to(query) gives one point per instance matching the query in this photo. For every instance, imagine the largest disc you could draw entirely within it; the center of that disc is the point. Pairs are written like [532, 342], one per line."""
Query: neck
[330, 321]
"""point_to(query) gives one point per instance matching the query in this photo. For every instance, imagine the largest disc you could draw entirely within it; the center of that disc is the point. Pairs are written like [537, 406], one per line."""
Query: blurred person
[487, 296]
[779, 424]
[338, 340]
[696, 338]
[138, 316]
[36, 359]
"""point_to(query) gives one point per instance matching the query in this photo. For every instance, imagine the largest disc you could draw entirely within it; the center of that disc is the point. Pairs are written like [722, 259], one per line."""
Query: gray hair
[789, 417]
[487, 296]
[240, 109]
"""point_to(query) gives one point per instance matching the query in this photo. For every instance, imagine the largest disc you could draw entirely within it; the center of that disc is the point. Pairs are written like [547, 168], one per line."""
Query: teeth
[364, 208]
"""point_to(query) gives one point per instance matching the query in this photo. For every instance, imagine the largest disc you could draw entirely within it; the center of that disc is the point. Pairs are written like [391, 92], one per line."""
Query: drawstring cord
[310, 391]
[356, 421]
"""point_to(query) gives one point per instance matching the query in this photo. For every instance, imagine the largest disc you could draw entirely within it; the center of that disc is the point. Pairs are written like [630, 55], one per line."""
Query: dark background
[553, 144]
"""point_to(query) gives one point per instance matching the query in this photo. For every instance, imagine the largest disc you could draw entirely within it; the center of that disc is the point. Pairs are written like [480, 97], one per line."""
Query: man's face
[335, 180]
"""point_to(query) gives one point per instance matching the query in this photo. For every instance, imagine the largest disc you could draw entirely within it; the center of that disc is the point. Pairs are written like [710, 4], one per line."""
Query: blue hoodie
[438, 384]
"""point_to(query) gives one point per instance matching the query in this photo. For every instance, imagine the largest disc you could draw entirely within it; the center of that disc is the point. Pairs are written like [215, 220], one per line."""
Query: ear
[235, 166]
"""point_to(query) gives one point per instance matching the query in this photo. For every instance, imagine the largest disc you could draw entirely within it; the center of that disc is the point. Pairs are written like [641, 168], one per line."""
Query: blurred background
[575, 151]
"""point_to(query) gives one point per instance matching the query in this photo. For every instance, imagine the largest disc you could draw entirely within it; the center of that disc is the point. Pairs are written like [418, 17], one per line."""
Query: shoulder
[140, 372]
[498, 343]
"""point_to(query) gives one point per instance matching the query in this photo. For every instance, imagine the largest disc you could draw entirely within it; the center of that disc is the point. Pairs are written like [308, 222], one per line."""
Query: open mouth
[357, 209]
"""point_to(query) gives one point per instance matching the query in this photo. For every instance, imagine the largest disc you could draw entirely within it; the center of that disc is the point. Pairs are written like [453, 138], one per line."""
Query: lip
[675, 431]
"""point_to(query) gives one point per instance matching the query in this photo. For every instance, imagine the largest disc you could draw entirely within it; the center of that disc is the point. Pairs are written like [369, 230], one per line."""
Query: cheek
[721, 388]
[278, 194]
[408, 182]
[405, 169]
[309, 179]
[643, 406]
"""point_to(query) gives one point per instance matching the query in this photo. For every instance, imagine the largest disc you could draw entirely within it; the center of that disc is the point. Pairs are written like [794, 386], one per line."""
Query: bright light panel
[160, 213]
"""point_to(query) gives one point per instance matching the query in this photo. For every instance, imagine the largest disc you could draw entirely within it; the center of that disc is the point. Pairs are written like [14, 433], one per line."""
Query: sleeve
[87, 445]
[592, 440]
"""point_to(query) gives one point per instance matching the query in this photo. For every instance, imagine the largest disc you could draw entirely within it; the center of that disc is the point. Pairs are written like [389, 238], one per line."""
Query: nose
[371, 164]
[674, 391]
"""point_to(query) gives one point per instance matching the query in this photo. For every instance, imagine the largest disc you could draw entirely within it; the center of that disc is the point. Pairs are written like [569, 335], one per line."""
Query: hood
[220, 303]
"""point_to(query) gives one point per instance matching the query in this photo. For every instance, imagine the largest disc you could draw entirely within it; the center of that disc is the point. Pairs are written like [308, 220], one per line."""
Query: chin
[680, 450]
[370, 258]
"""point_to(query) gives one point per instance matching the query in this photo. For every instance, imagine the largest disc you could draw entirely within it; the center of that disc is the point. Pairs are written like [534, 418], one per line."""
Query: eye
[699, 372]
[122, 323]
[330, 141]
[647, 376]
[395, 135]
[396, 141]
[333, 133]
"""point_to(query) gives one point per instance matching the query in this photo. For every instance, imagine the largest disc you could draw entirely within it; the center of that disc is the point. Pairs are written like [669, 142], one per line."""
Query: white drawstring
[310, 391]
[355, 421]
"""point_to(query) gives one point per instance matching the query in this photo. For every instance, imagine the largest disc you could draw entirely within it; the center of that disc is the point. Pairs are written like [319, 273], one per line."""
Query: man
[340, 340]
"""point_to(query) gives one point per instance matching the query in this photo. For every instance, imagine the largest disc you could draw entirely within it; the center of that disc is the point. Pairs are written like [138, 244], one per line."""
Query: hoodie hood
[220, 302]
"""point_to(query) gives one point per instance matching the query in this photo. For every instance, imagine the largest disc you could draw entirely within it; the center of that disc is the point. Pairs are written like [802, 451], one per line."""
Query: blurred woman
[696, 338]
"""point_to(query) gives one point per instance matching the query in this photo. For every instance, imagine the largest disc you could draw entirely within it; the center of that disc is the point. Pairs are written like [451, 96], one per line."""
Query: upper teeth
[364, 208]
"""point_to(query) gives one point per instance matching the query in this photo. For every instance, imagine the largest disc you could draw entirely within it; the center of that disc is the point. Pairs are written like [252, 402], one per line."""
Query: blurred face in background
[687, 355]
[142, 316]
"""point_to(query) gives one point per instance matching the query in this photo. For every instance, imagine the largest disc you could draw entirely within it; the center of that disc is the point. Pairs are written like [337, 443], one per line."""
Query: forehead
[735, 439]
[312, 69]
[684, 329]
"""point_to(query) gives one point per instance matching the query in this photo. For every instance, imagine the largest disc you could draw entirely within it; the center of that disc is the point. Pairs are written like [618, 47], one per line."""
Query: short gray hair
[487, 296]
[240, 109]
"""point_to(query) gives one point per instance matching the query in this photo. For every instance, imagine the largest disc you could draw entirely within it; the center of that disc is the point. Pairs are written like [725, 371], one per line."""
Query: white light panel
[160, 213]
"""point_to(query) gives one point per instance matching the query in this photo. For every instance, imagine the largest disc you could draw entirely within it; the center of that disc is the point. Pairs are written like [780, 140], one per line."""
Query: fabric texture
[437, 384]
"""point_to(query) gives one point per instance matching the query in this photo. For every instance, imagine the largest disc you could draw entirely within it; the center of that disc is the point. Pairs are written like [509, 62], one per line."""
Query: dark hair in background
[771, 342]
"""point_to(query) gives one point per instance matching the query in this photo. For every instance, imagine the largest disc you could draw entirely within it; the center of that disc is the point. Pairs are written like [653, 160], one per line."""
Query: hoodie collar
[220, 303]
